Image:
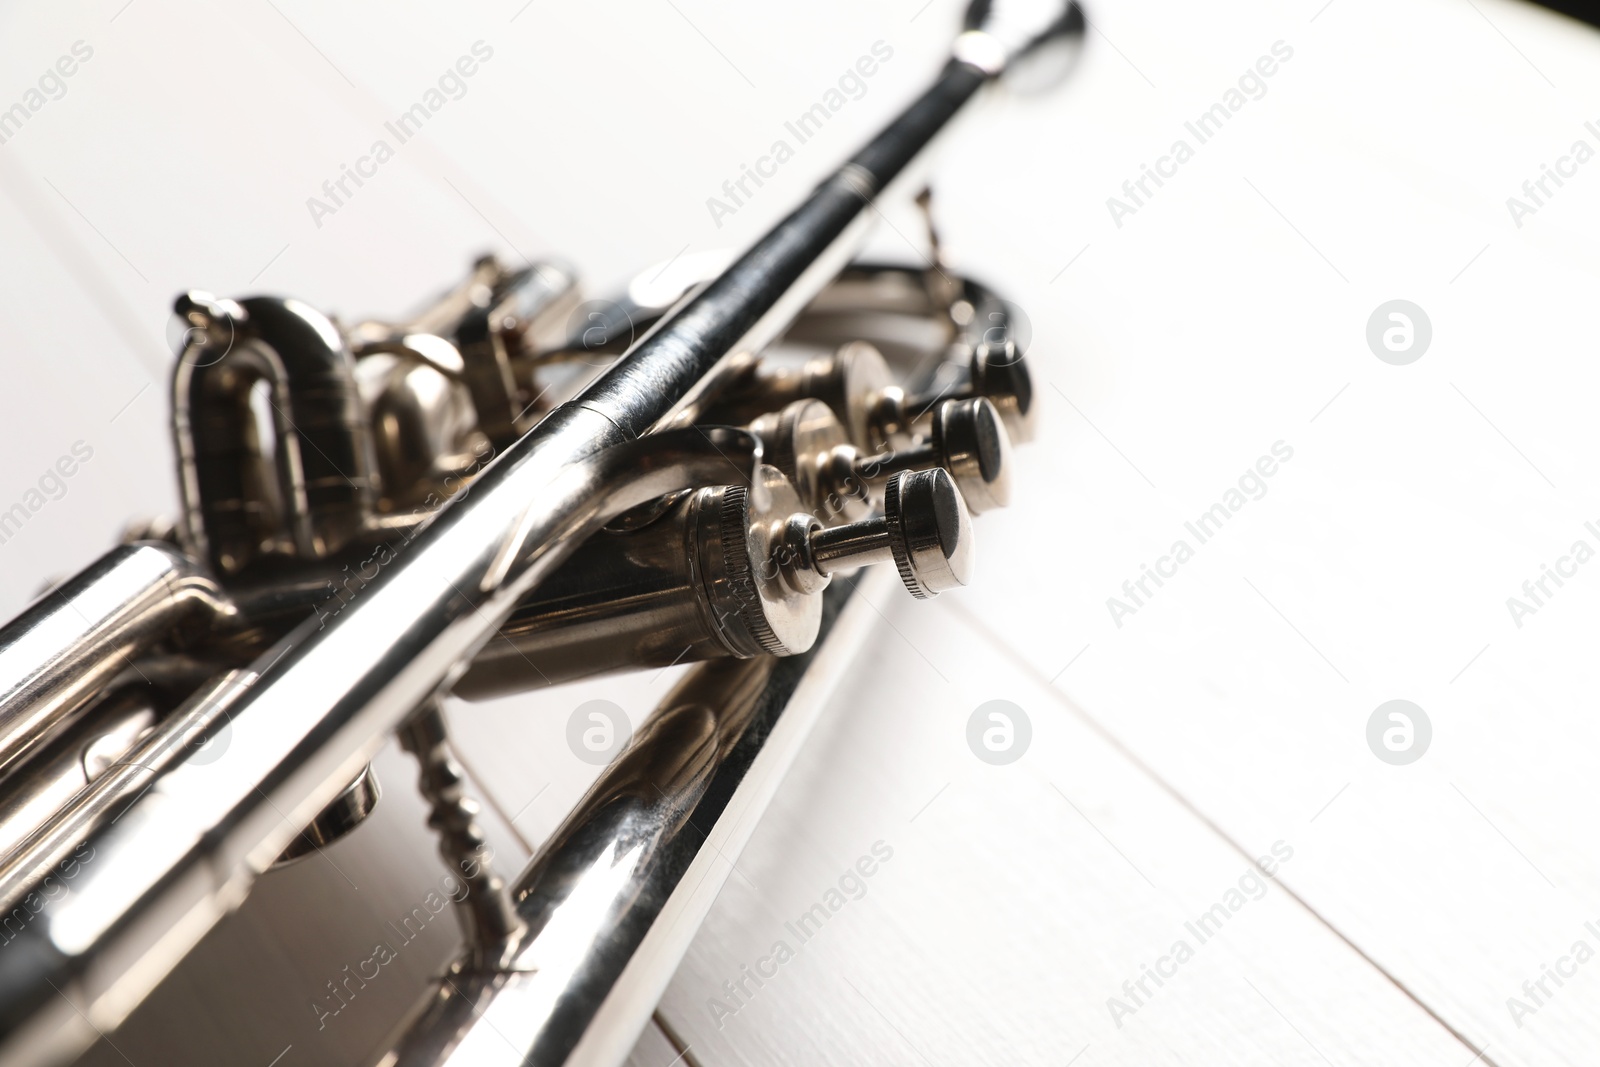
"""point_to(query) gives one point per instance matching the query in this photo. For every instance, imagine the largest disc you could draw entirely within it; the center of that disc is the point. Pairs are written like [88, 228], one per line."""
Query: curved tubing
[610, 902]
[59, 654]
[186, 851]
[321, 491]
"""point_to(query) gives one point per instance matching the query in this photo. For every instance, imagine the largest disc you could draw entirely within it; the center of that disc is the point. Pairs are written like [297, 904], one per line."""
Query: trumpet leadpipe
[322, 699]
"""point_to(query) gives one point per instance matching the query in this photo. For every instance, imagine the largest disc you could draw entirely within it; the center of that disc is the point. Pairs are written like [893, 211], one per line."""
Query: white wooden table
[1174, 347]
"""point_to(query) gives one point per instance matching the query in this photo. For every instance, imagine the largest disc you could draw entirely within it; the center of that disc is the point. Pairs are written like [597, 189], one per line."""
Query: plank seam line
[679, 1045]
[1073, 708]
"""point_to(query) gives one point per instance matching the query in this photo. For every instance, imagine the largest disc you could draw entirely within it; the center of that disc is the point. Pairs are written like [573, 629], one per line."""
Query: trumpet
[505, 490]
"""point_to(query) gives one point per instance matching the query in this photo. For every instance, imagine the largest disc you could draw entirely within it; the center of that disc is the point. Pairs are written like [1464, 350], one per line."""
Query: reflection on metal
[82, 753]
[594, 896]
[377, 516]
[60, 653]
[724, 571]
[346, 812]
[489, 925]
[290, 476]
[185, 731]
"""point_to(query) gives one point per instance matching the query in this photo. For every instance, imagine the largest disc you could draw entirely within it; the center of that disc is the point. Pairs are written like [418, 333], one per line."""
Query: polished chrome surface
[999, 373]
[343, 814]
[924, 530]
[494, 340]
[854, 382]
[185, 732]
[186, 850]
[980, 332]
[57, 656]
[1000, 32]
[808, 443]
[969, 439]
[424, 427]
[929, 531]
[700, 581]
[596, 893]
[274, 454]
[738, 543]
[625, 599]
[491, 329]
[80, 754]
[489, 925]
[372, 516]
[729, 570]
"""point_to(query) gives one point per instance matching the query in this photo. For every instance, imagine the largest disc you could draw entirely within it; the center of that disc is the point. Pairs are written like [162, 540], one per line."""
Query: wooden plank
[656, 1049]
[295, 971]
[1007, 905]
[1377, 563]
[1173, 352]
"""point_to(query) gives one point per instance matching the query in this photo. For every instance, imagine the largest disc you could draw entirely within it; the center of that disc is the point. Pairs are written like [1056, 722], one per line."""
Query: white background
[1228, 314]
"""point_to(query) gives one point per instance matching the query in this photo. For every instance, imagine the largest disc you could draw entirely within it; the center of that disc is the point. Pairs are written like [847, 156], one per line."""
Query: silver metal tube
[859, 544]
[610, 902]
[60, 653]
[71, 761]
[185, 852]
[45, 848]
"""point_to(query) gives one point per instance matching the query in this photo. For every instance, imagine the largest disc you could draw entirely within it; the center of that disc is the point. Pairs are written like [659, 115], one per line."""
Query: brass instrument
[500, 492]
